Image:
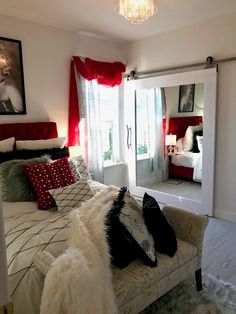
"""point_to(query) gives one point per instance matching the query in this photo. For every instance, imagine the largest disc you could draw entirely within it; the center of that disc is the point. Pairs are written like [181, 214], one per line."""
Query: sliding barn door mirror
[172, 152]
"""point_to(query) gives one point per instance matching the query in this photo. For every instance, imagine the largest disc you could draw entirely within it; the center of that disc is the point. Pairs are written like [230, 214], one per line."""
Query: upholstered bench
[138, 285]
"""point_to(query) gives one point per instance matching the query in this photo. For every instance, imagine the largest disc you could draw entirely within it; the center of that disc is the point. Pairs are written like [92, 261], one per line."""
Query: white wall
[193, 44]
[172, 101]
[46, 58]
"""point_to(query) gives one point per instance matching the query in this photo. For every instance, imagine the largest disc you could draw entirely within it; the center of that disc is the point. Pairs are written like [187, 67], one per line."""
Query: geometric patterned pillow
[71, 196]
[79, 168]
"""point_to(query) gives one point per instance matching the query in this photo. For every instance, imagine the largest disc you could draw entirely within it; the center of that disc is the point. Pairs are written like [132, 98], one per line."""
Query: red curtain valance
[106, 73]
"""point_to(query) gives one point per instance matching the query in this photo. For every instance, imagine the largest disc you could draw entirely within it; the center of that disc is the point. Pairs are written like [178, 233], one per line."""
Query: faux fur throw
[80, 281]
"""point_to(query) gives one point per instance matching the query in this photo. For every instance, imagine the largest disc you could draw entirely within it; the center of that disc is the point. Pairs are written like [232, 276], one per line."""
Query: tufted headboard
[29, 131]
[179, 125]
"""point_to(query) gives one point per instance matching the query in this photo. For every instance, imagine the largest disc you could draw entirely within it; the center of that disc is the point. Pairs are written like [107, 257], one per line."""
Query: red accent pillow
[46, 176]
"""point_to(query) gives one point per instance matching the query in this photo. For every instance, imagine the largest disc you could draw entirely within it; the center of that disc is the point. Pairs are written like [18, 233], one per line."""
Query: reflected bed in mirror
[183, 173]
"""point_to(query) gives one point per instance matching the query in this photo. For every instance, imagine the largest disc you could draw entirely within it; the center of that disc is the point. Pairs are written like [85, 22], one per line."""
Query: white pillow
[79, 168]
[57, 142]
[7, 145]
[180, 144]
[199, 142]
[188, 137]
[71, 196]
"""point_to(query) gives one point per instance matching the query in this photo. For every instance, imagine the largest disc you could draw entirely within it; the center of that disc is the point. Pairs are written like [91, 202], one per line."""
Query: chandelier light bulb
[136, 11]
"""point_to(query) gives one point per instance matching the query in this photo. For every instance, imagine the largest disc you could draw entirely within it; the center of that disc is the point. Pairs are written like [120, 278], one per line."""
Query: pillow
[180, 144]
[7, 145]
[16, 182]
[128, 236]
[199, 142]
[57, 142]
[79, 168]
[44, 177]
[162, 232]
[4, 189]
[6, 156]
[71, 196]
[121, 249]
[195, 145]
[54, 153]
[132, 219]
[188, 137]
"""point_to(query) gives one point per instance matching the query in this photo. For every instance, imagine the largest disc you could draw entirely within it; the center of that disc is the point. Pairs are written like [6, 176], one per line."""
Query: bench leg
[198, 277]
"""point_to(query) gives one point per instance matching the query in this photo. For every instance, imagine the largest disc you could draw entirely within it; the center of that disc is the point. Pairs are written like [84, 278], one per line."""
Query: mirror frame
[209, 78]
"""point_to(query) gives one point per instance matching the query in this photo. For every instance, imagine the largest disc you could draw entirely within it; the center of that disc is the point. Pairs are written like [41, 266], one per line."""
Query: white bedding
[11, 209]
[29, 230]
[191, 160]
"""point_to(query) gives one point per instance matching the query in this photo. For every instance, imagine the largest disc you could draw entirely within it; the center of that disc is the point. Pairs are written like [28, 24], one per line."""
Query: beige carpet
[217, 297]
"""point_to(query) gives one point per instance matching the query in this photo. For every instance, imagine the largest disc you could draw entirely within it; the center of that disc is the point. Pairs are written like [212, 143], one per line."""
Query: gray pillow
[17, 183]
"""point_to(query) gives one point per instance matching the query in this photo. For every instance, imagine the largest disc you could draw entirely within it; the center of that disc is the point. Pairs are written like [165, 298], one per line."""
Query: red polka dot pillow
[46, 176]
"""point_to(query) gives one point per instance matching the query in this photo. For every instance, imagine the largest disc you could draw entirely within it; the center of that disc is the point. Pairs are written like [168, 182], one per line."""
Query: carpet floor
[217, 297]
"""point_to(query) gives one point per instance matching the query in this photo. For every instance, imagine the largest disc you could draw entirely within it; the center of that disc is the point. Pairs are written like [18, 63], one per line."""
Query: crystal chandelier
[136, 11]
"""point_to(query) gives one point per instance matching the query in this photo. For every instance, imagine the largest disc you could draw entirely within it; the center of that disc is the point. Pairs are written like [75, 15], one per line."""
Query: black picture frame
[186, 98]
[12, 87]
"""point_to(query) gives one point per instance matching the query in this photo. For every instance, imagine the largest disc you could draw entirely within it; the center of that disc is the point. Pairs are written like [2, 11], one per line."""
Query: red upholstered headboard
[29, 131]
[179, 125]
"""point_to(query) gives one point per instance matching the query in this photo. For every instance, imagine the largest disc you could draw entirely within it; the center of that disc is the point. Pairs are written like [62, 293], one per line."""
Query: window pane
[142, 122]
[108, 101]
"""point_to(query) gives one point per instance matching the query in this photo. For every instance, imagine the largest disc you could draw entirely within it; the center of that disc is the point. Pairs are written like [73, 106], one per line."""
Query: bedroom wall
[46, 59]
[172, 101]
[191, 44]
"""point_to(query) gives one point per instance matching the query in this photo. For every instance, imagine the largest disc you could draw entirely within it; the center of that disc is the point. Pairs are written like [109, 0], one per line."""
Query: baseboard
[230, 216]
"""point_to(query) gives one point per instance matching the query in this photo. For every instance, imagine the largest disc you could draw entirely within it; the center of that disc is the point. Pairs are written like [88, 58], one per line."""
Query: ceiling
[98, 17]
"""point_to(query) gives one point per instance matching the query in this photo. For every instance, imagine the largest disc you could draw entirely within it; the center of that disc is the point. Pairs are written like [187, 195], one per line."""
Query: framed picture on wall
[186, 98]
[12, 89]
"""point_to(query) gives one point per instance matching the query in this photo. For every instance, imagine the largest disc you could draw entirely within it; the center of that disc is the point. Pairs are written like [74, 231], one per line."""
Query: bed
[27, 228]
[186, 165]
[30, 230]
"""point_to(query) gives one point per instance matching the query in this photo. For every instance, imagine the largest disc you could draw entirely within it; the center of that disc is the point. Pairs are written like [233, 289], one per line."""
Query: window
[107, 99]
[143, 122]
[109, 115]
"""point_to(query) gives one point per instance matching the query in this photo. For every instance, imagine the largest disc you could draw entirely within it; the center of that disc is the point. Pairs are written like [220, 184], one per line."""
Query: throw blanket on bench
[80, 280]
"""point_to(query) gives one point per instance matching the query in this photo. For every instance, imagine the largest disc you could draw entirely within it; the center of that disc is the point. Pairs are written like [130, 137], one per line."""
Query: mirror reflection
[169, 136]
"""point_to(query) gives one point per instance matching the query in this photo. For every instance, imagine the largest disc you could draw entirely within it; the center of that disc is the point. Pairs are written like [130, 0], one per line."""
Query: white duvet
[29, 230]
[191, 160]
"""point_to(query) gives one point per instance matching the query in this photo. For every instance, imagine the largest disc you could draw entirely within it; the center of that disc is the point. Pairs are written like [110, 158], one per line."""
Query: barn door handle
[129, 137]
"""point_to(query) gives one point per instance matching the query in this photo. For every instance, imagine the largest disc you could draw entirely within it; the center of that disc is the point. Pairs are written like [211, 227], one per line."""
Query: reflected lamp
[170, 142]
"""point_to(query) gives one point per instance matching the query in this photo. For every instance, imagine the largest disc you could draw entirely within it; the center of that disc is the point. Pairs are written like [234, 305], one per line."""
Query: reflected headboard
[29, 131]
[179, 125]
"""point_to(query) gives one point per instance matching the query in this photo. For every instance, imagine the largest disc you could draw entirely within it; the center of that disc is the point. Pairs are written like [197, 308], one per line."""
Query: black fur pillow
[121, 250]
[53, 153]
[157, 224]
[124, 238]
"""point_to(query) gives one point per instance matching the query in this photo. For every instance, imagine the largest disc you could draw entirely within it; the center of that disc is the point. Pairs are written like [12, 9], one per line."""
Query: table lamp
[170, 142]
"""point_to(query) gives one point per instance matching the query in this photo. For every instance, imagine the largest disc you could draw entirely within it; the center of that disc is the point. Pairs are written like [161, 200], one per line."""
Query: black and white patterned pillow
[71, 196]
[79, 168]
[131, 217]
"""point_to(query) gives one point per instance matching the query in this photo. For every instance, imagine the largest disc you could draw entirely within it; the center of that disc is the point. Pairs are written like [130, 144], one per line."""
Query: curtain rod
[210, 62]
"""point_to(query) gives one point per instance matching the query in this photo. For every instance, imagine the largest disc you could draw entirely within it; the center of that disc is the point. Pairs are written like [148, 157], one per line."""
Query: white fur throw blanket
[80, 280]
